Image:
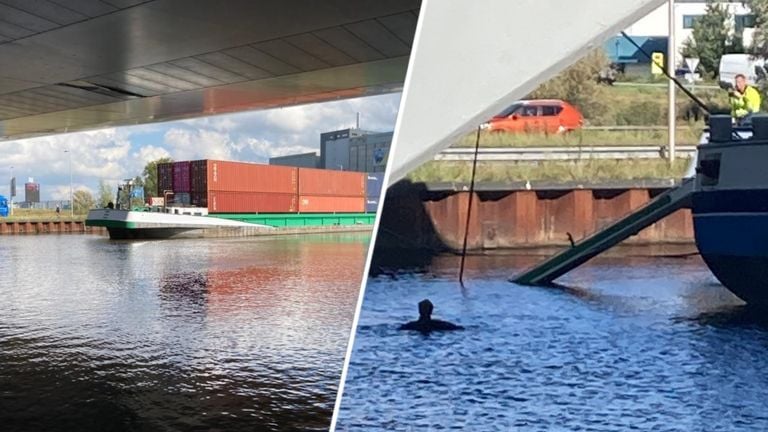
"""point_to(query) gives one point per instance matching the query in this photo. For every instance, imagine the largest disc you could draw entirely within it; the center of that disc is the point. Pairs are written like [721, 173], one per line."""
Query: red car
[540, 115]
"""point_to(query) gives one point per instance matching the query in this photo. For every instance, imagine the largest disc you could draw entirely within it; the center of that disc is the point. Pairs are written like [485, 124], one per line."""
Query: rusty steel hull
[435, 219]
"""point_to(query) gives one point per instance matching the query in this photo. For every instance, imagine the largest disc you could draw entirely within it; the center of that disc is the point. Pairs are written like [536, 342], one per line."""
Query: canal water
[627, 343]
[222, 334]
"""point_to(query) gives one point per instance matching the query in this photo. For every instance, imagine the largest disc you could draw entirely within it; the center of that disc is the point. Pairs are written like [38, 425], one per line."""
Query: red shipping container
[164, 178]
[181, 177]
[329, 182]
[331, 204]
[251, 202]
[250, 177]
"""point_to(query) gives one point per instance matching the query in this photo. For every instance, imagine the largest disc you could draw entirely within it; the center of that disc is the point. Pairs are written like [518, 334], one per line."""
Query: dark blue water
[178, 335]
[633, 344]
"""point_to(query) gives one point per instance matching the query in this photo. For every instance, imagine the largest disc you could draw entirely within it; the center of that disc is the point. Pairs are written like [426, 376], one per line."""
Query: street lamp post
[671, 65]
[71, 201]
[10, 192]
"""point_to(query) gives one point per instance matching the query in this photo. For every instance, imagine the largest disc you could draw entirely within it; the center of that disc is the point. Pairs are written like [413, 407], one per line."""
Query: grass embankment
[41, 215]
[647, 105]
[624, 106]
[688, 135]
[595, 170]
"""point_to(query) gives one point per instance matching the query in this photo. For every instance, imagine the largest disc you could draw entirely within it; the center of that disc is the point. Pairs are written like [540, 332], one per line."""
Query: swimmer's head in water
[426, 324]
[425, 309]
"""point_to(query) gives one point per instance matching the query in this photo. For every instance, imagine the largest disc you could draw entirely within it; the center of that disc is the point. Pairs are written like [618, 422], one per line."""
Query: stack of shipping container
[328, 191]
[182, 183]
[240, 187]
[164, 178]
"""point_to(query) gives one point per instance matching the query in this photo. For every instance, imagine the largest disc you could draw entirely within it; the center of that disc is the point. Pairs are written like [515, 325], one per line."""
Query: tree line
[83, 200]
[712, 37]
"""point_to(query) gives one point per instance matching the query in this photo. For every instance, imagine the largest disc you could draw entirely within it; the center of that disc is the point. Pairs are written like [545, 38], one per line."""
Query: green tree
[149, 176]
[711, 38]
[83, 201]
[578, 85]
[759, 45]
[106, 195]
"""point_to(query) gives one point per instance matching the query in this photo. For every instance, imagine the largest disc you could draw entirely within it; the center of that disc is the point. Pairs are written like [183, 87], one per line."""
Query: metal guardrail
[700, 86]
[631, 128]
[548, 153]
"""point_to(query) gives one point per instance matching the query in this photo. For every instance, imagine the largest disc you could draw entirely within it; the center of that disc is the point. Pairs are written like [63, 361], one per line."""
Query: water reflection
[176, 335]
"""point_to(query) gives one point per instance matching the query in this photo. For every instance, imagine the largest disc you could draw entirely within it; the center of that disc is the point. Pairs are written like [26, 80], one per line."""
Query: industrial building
[334, 148]
[31, 191]
[302, 160]
[652, 32]
[350, 149]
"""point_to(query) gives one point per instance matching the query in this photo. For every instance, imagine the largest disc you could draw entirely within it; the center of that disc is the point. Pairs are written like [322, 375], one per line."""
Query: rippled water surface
[228, 334]
[628, 344]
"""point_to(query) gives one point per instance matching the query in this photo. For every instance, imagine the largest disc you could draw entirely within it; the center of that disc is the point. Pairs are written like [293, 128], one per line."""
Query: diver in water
[426, 324]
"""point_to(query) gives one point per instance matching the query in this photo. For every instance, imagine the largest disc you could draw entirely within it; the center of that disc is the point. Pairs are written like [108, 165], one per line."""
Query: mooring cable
[664, 70]
[469, 208]
[679, 85]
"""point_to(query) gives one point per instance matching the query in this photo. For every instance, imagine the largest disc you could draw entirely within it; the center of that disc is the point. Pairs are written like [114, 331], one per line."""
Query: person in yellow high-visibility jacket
[744, 98]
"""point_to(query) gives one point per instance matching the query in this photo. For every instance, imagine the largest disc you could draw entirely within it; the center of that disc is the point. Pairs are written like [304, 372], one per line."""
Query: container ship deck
[211, 198]
[129, 225]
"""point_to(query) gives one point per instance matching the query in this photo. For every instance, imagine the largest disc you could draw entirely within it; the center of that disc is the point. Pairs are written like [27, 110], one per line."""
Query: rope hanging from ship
[469, 208]
[680, 85]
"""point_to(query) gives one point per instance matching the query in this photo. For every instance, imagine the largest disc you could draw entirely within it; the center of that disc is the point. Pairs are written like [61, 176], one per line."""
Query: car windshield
[508, 112]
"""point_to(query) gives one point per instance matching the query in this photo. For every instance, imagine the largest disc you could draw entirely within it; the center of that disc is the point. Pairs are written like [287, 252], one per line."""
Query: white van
[733, 64]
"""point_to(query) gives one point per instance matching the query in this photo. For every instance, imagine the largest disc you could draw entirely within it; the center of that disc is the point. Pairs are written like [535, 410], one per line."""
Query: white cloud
[265, 149]
[187, 144]
[60, 192]
[150, 153]
[113, 154]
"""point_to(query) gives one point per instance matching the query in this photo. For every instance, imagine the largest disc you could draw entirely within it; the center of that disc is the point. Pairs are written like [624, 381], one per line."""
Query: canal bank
[79, 227]
[433, 217]
[49, 227]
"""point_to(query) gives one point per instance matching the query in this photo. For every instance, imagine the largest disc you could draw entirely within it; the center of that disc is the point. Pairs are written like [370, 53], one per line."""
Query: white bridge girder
[470, 60]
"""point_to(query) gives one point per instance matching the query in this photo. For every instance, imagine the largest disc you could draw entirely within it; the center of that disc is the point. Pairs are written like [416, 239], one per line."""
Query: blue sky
[113, 154]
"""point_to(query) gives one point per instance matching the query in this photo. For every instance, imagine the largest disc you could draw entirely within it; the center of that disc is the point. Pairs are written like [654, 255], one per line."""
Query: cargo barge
[132, 225]
[213, 198]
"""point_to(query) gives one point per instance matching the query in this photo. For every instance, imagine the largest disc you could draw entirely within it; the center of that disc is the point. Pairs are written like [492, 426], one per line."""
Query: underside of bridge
[81, 64]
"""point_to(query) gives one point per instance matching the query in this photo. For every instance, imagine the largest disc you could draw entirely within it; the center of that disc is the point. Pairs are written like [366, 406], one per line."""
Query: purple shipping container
[182, 181]
[164, 178]
[199, 173]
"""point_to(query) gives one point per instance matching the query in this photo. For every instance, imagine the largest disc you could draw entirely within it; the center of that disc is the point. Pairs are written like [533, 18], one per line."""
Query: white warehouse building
[686, 13]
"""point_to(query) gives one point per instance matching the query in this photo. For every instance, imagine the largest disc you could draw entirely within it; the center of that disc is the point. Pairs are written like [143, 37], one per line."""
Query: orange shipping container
[330, 204]
[328, 182]
[251, 202]
[248, 177]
